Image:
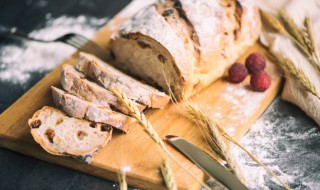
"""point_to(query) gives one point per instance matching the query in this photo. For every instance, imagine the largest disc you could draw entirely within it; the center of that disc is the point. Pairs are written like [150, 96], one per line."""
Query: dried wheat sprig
[197, 115]
[227, 136]
[122, 180]
[274, 23]
[311, 43]
[148, 128]
[205, 118]
[288, 66]
[307, 44]
[168, 175]
[278, 26]
[291, 26]
[308, 35]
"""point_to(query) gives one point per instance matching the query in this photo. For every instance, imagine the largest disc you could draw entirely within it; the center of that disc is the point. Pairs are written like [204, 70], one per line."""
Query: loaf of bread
[82, 109]
[185, 45]
[108, 77]
[61, 135]
[77, 84]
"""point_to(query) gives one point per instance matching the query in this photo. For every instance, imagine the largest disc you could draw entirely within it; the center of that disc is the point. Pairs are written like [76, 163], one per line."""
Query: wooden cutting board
[234, 106]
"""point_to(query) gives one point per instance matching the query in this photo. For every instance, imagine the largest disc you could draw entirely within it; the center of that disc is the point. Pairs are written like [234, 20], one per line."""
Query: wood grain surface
[234, 106]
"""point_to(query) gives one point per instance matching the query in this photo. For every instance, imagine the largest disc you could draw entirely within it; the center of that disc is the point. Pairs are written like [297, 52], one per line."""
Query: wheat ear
[278, 26]
[205, 118]
[167, 175]
[291, 26]
[122, 180]
[200, 118]
[274, 22]
[147, 126]
[304, 38]
[311, 44]
[288, 66]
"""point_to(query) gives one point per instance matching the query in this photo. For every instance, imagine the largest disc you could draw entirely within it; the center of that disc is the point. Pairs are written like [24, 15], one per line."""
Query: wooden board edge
[71, 163]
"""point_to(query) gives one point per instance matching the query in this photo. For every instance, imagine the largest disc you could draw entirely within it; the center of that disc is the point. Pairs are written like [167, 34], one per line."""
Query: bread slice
[59, 134]
[82, 109]
[77, 84]
[185, 45]
[108, 77]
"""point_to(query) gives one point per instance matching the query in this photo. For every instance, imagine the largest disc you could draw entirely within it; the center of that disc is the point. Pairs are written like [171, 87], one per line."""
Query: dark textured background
[292, 146]
[18, 171]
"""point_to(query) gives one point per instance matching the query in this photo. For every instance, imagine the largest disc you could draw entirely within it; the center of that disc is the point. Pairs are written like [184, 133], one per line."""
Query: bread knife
[206, 163]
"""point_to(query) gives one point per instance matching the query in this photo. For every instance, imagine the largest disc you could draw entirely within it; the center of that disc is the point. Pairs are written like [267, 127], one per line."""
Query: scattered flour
[126, 169]
[242, 104]
[287, 141]
[19, 61]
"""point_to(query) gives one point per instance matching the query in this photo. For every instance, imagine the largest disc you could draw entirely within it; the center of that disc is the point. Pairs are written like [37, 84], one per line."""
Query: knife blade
[205, 162]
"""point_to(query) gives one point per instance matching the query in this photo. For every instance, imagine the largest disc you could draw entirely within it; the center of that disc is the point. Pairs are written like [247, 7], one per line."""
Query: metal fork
[76, 40]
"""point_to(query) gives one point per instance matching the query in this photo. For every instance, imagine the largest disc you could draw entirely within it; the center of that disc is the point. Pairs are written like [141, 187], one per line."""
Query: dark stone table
[284, 138]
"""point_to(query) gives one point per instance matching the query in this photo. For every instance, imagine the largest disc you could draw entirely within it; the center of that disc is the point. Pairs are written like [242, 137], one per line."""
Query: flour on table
[243, 103]
[285, 142]
[18, 62]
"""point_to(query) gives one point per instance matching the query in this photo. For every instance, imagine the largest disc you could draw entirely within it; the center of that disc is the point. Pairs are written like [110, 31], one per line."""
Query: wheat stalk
[197, 115]
[291, 26]
[308, 35]
[274, 23]
[288, 66]
[302, 38]
[205, 118]
[148, 128]
[168, 175]
[311, 43]
[122, 180]
[278, 26]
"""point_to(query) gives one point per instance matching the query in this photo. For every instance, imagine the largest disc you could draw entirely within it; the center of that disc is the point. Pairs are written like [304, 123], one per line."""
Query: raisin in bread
[108, 77]
[61, 135]
[185, 45]
[77, 84]
[82, 109]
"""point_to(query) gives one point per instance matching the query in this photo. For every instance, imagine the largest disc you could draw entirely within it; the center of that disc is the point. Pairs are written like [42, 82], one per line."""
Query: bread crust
[108, 77]
[223, 30]
[82, 109]
[52, 146]
[77, 84]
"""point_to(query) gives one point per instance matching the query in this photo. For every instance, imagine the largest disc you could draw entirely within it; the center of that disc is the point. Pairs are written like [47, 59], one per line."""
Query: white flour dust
[18, 62]
[242, 103]
[286, 141]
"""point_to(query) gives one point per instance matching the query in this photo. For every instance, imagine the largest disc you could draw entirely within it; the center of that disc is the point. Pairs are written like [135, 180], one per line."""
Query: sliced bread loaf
[185, 45]
[108, 77]
[77, 84]
[82, 109]
[61, 135]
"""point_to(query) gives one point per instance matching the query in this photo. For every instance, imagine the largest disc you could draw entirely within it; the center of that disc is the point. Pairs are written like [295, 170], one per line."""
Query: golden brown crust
[108, 77]
[44, 135]
[220, 31]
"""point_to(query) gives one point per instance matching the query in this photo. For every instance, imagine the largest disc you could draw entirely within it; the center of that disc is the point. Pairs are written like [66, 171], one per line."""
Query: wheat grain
[307, 45]
[288, 66]
[278, 26]
[311, 44]
[148, 128]
[168, 175]
[273, 22]
[309, 37]
[199, 117]
[291, 26]
[205, 118]
[122, 180]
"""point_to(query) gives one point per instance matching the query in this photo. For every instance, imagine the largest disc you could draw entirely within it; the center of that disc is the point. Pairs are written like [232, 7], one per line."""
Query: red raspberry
[237, 72]
[255, 63]
[260, 81]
